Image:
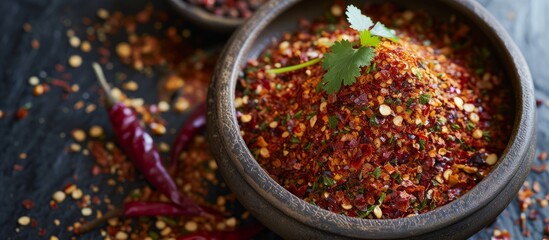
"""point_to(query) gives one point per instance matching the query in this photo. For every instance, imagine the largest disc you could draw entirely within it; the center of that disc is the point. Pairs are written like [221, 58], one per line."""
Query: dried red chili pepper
[139, 146]
[195, 123]
[246, 232]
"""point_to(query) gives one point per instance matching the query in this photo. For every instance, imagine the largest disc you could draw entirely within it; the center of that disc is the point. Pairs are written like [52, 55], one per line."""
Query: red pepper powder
[423, 125]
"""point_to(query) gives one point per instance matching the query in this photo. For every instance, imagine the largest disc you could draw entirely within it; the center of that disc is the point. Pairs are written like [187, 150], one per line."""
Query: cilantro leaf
[366, 39]
[357, 20]
[380, 30]
[343, 65]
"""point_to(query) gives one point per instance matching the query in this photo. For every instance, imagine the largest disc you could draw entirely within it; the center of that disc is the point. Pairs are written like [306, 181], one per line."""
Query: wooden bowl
[205, 19]
[291, 217]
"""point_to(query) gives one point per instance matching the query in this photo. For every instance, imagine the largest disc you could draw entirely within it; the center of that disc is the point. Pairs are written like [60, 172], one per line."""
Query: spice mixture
[229, 8]
[425, 122]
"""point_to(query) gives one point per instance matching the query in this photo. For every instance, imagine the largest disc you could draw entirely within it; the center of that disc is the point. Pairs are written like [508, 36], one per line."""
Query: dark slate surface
[45, 133]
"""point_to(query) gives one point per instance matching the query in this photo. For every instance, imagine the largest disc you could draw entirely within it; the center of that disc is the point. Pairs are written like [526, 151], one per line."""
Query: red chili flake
[539, 168]
[96, 170]
[22, 113]
[539, 102]
[63, 84]
[42, 232]
[34, 223]
[542, 156]
[35, 44]
[28, 204]
[59, 68]
[18, 167]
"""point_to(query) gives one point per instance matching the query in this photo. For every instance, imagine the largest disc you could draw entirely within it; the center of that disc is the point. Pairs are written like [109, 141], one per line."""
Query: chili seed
[38, 90]
[166, 231]
[246, 118]
[181, 105]
[75, 147]
[474, 117]
[468, 107]
[459, 102]
[398, 121]
[131, 86]
[163, 106]
[86, 212]
[75, 61]
[477, 134]
[273, 124]
[264, 152]
[231, 222]
[385, 110]
[77, 194]
[85, 46]
[346, 206]
[491, 159]
[79, 135]
[123, 50]
[74, 41]
[24, 221]
[59, 196]
[447, 173]
[103, 13]
[96, 131]
[54, 238]
[191, 226]
[121, 235]
[33, 81]
[377, 212]
[160, 224]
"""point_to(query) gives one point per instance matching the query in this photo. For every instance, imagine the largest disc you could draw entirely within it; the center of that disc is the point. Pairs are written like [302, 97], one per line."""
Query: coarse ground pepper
[423, 125]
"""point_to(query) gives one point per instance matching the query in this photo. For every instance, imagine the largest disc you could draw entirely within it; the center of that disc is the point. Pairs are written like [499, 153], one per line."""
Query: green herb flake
[332, 122]
[328, 181]
[421, 144]
[381, 198]
[377, 172]
[424, 98]
[294, 140]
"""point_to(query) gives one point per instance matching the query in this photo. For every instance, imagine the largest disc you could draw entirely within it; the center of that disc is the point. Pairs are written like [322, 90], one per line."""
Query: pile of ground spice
[423, 125]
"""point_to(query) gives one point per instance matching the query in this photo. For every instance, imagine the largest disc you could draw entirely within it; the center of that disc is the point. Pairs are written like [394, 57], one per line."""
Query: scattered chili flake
[542, 156]
[28, 204]
[420, 126]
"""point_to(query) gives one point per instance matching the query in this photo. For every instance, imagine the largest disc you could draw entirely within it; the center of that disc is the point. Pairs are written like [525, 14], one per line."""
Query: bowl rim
[222, 120]
[204, 18]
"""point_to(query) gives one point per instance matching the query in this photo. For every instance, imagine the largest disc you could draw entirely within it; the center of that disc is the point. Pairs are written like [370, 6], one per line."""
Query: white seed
[191, 226]
[121, 235]
[459, 102]
[273, 124]
[398, 121]
[160, 224]
[77, 194]
[385, 110]
[59, 196]
[468, 107]
[346, 206]
[75, 61]
[283, 46]
[231, 222]
[86, 212]
[163, 106]
[54, 238]
[33, 81]
[474, 117]
[477, 134]
[74, 41]
[96, 131]
[378, 212]
[264, 152]
[24, 220]
[447, 173]
[491, 159]
[246, 118]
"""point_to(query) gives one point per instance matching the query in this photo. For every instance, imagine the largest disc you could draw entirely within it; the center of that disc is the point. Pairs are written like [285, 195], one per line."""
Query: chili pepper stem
[91, 225]
[111, 100]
